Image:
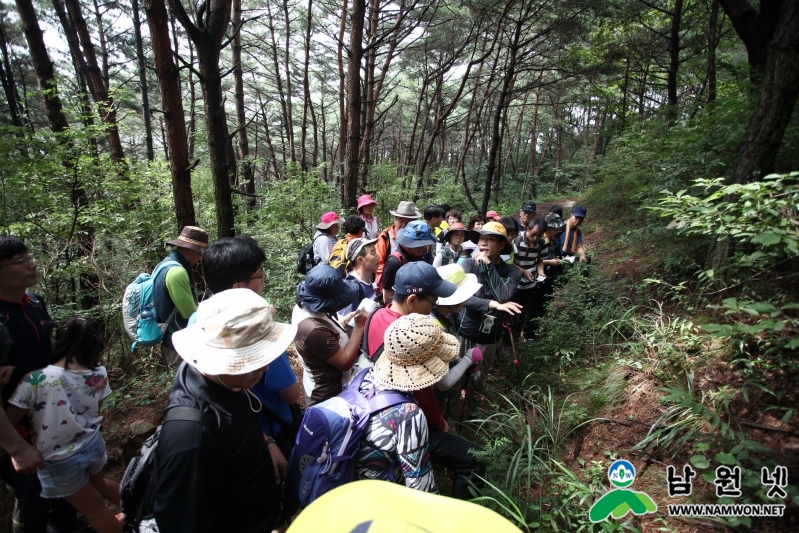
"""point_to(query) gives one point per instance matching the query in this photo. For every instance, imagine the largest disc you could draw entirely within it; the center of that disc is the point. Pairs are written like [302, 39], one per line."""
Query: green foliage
[761, 214]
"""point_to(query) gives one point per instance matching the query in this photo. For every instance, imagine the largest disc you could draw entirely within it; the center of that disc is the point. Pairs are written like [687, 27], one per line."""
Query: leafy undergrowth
[628, 370]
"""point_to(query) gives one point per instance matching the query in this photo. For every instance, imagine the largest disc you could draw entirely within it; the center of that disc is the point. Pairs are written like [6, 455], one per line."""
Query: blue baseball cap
[421, 278]
[579, 211]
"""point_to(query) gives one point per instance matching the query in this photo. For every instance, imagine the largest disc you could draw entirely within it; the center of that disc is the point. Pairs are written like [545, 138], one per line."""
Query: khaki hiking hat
[234, 334]
[493, 228]
[416, 354]
[193, 238]
[406, 210]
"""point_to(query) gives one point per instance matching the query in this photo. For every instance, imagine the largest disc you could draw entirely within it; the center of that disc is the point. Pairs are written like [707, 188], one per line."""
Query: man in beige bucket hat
[387, 243]
[216, 472]
[173, 292]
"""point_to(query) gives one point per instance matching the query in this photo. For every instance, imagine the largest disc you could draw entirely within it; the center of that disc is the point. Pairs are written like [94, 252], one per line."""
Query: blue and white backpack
[138, 309]
[329, 439]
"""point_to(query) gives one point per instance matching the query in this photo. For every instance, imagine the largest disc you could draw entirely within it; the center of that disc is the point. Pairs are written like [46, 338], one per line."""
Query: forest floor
[623, 422]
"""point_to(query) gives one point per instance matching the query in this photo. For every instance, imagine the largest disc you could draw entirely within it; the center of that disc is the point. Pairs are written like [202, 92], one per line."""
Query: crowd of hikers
[395, 329]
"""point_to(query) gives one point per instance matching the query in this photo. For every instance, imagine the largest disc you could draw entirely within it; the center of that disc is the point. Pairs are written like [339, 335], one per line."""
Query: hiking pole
[508, 325]
[469, 373]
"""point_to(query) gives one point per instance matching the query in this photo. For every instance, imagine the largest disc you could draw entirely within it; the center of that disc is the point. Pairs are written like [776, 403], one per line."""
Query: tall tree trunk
[175, 142]
[755, 29]
[674, 59]
[342, 98]
[42, 65]
[779, 91]
[711, 51]
[350, 181]
[502, 102]
[104, 102]
[247, 169]
[9, 84]
[287, 65]
[192, 104]
[306, 87]
[145, 92]
[207, 37]
[287, 125]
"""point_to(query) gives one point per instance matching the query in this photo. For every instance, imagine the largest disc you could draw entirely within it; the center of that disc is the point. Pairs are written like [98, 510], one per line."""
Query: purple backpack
[329, 439]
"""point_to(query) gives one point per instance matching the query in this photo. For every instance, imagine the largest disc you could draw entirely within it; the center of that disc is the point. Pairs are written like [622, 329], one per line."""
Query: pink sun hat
[365, 199]
[328, 219]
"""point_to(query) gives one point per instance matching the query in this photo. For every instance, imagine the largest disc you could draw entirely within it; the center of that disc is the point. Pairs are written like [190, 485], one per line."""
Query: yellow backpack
[338, 256]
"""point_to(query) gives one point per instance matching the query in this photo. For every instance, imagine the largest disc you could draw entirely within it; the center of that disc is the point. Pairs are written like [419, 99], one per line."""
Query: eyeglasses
[434, 302]
[25, 260]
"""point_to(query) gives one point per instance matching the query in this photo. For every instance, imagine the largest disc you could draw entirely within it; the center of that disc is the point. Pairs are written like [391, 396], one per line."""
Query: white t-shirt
[63, 407]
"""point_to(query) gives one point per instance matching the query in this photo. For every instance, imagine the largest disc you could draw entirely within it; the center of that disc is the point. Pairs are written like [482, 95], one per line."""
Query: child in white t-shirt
[63, 401]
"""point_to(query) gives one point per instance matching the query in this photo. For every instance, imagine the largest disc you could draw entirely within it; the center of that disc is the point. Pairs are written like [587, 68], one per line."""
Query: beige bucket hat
[406, 210]
[234, 334]
[416, 354]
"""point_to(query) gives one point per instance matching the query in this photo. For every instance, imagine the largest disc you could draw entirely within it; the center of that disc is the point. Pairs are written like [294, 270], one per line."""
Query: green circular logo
[621, 473]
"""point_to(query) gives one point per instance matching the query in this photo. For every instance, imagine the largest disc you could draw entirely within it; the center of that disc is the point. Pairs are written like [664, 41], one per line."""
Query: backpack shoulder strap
[165, 264]
[385, 399]
[188, 414]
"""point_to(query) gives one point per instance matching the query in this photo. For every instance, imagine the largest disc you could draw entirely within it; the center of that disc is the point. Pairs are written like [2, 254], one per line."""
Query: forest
[673, 121]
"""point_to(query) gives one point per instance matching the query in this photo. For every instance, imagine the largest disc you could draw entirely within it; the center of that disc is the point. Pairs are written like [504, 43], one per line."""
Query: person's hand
[582, 259]
[278, 462]
[481, 257]
[446, 427]
[360, 318]
[5, 374]
[27, 460]
[477, 355]
[509, 307]
[345, 320]
[528, 275]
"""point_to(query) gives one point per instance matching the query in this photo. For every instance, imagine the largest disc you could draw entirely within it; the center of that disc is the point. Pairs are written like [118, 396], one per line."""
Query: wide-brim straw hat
[325, 290]
[493, 228]
[234, 334]
[416, 354]
[193, 238]
[406, 210]
[466, 284]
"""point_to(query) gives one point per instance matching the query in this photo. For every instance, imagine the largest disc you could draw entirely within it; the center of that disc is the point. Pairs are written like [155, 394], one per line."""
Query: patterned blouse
[397, 438]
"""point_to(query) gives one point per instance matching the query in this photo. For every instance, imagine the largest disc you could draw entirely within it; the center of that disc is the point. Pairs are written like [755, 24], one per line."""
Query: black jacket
[217, 479]
[499, 282]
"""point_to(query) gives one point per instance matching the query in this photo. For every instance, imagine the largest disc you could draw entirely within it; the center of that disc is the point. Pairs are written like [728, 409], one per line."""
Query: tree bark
[9, 84]
[145, 92]
[95, 77]
[342, 95]
[779, 91]
[674, 59]
[287, 65]
[306, 87]
[42, 65]
[207, 36]
[350, 180]
[711, 51]
[175, 144]
[755, 29]
[247, 169]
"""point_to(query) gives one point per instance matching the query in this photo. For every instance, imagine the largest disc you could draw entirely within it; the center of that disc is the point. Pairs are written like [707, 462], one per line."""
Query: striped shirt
[526, 258]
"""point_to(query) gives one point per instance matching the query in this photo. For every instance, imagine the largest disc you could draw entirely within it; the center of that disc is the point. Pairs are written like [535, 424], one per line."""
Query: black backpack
[305, 261]
[137, 488]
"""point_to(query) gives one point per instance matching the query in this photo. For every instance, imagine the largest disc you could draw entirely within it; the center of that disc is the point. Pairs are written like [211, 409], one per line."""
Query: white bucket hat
[234, 334]
[466, 284]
